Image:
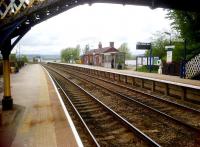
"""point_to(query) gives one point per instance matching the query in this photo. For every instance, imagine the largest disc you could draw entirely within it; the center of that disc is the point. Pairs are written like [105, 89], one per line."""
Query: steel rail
[140, 103]
[149, 107]
[147, 94]
[151, 95]
[124, 121]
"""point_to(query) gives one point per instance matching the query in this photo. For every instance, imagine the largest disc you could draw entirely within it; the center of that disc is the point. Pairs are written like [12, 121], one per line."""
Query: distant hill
[43, 57]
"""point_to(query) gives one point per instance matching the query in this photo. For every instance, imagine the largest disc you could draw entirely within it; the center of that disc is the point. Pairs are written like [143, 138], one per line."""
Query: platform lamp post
[150, 55]
[184, 60]
[170, 39]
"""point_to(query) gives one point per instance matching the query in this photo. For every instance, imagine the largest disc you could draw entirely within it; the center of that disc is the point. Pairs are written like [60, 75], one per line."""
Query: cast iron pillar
[7, 101]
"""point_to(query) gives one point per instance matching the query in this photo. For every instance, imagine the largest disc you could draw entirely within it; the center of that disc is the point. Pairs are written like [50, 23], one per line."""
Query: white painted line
[77, 137]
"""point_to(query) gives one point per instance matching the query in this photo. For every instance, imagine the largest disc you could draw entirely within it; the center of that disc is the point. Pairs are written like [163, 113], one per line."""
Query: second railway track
[183, 113]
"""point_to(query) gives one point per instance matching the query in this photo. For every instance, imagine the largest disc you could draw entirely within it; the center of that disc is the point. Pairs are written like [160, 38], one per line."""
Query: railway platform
[153, 76]
[38, 118]
[168, 86]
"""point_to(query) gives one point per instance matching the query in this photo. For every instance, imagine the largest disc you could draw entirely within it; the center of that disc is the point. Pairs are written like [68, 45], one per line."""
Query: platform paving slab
[40, 120]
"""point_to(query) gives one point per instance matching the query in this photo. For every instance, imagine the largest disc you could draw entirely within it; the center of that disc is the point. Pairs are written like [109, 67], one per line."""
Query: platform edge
[77, 137]
[142, 77]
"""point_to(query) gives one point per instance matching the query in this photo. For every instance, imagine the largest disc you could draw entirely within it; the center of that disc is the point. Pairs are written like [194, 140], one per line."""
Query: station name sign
[169, 47]
[143, 46]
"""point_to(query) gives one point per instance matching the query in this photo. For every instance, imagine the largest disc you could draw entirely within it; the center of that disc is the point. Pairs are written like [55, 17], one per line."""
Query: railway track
[105, 127]
[180, 112]
[110, 88]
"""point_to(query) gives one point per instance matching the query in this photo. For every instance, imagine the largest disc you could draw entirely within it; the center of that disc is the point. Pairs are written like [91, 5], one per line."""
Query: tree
[24, 58]
[124, 48]
[70, 54]
[188, 25]
[159, 41]
[178, 52]
[66, 54]
[86, 49]
[13, 58]
[76, 52]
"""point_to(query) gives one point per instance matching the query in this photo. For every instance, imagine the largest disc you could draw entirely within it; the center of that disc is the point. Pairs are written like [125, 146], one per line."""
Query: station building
[108, 57]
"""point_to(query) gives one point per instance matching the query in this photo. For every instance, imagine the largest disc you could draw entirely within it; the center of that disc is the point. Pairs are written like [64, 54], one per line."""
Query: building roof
[101, 50]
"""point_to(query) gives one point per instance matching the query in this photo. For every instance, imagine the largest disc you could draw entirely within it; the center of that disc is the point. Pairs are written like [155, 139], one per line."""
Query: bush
[145, 68]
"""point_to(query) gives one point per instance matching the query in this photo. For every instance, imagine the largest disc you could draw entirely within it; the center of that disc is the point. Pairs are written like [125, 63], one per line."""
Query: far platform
[153, 76]
[165, 86]
[38, 119]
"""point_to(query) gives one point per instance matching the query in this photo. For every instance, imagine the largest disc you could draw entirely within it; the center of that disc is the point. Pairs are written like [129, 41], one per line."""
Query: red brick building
[104, 56]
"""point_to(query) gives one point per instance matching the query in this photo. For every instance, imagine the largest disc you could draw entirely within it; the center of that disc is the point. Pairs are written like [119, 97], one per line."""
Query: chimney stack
[111, 44]
[100, 45]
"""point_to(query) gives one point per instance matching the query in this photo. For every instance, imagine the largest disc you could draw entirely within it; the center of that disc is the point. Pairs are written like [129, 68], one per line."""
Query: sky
[93, 24]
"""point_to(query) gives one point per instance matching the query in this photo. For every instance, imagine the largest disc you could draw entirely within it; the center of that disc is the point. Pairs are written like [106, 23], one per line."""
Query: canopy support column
[7, 101]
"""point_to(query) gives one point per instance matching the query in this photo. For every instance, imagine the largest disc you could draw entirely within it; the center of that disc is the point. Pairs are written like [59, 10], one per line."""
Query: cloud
[90, 24]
